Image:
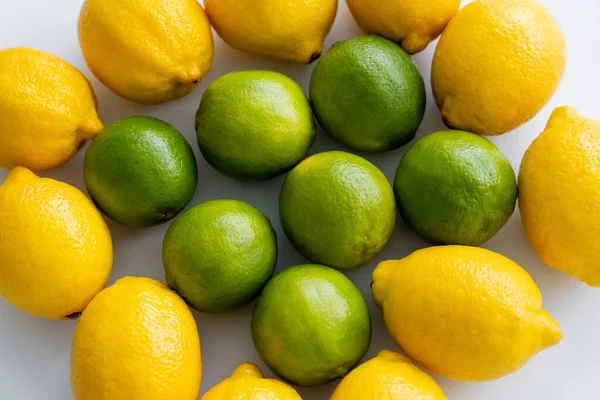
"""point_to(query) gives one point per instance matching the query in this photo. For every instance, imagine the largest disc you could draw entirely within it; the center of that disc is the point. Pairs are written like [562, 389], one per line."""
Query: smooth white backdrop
[34, 353]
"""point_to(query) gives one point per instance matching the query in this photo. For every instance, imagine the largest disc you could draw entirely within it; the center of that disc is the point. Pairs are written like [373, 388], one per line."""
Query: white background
[34, 353]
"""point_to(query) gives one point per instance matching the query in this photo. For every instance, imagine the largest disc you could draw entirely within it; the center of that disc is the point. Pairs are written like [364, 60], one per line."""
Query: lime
[368, 94]
[140, 171]
[337, 209]
[254, 125]
[455, 187]
[219, 254]
[311, 325]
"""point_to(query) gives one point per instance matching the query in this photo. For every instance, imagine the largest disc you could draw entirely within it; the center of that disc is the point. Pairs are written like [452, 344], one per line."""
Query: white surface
[34, 353]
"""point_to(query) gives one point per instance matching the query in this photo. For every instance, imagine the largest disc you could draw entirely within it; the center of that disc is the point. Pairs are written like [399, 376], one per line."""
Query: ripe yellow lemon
[389, 376]
[290, 30]
[559, 188]
[48, 110]
[55, 248]
[497, 64]
[410, 23]
[137, 340]
[248, 383]
[466, 313]
[148, 51]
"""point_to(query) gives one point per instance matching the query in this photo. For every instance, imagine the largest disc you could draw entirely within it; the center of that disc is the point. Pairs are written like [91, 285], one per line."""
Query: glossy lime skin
[337, 209]
[368, 94]
[219, 254]
[311, 325]
[140, 171]
[455, 187]
[254, 125]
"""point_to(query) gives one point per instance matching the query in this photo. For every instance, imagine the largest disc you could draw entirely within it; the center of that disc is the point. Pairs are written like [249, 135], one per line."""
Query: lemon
[148, 51]
[48, 110]
[412, 24]
[55, 248]
[389, 376]
[559, 189]
[248, 383]
[290, 30]
[497, 64]
[465, 313]
[137, 340]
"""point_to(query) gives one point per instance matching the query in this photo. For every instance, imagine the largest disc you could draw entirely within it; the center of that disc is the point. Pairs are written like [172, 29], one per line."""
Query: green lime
[311, 325]
[254, 125]
[337, 209]
[455, 187]
[140, 171]
[218, 255]
[367, 94]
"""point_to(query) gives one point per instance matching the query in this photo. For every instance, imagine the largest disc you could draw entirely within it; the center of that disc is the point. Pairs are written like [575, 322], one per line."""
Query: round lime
[455, 187]
[311, 325]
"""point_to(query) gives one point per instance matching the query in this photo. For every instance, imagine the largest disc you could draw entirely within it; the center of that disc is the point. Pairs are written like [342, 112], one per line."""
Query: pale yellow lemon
[55, 248]
[466, 313]
[47, 109]
[148, 51]
[559, 192]
[410, 23]
[248, 383]
[137, 340]
[497, 64]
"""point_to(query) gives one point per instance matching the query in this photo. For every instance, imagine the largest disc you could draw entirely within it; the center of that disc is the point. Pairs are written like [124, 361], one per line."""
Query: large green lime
[219, 254]
[368, 94]
[337, 209]
[311, 325]
[254, 125]
[455, 187]
[140, 171]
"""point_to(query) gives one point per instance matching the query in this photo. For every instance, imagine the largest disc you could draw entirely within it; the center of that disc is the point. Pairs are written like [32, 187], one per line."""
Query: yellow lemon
[290, 30]
[559, 192]
[497, 64]
[247, 383]
[410, 23]
[389, 376]
[48, 110]
[137, 340]
[55, 248]
[466, 313]
[148, 51]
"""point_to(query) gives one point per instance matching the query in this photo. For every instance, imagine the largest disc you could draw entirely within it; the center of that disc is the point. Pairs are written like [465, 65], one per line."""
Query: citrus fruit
[55, 248]
[411, 24]
[465, 313]
[48, 110]
[290, 30]
[497, 64]
[140, 171]
[368, 94]
[148, 51]
[137, 340]
[311, 325]
[454, 187]
[337, 209]
[254, 125]
[219, 254]
[559, 190]
[248, 383]
[389, 376]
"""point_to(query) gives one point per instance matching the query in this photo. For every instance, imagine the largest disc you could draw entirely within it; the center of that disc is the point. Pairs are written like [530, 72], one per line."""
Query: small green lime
[337, 209]
[368, 94]
[311, 325]
[140, 171]
[254, 125]
[219, 254]
[455, 187]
